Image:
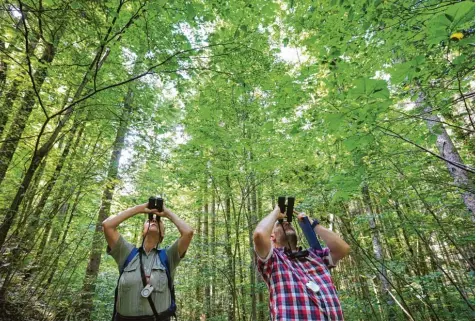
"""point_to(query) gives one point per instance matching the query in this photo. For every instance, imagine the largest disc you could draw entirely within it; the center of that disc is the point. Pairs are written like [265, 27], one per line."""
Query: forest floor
[19, 312]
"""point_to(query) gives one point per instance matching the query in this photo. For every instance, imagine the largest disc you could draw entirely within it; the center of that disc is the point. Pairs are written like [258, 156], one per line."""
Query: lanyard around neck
[144, 276]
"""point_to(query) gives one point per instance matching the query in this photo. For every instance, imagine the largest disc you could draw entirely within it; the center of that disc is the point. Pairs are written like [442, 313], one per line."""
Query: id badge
[147, 291]
[313, 286]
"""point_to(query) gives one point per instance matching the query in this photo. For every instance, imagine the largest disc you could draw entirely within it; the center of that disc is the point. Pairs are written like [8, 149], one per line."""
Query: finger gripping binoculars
[157, 203]
[289, 208]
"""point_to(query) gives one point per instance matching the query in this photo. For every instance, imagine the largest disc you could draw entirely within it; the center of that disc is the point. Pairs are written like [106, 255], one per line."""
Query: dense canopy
[363, 110]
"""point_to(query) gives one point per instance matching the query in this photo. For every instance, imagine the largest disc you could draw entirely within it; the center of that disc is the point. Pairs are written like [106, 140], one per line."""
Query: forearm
[186, 232]
[337, 246]
[182, 226]
[262, 233]
[266, 225]
[113, 222]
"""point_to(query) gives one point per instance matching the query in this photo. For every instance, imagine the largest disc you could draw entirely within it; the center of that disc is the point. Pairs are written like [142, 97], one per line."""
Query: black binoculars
[289, 208]
[155, 203]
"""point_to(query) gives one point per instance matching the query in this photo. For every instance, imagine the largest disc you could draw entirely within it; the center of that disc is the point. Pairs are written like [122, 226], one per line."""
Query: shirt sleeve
[325, 254]
[265, 265]
[173, 256]
[121, 251]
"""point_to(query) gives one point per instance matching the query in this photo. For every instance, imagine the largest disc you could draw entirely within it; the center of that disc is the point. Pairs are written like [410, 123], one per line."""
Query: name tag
[313, 286]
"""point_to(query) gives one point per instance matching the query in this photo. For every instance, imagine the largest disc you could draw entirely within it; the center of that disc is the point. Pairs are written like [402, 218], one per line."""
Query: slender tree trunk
[207, 249]
[242, 298]
[89, 284]
[213, 279]
[378, 253]
[252, 222]
[38, 210]
[262, 304]
[230, 261]
[3, 67]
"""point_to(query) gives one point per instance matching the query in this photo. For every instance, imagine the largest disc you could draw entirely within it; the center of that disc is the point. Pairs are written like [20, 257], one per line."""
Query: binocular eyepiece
[289, 208]
[155, 202]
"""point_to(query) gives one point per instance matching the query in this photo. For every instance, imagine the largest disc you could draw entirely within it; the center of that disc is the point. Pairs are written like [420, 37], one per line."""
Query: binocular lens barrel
[282, 203]
[290, 209]
[155, 203]
[160, 204]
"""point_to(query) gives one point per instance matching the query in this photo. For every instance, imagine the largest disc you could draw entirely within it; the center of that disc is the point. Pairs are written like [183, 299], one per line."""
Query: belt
[138, 318]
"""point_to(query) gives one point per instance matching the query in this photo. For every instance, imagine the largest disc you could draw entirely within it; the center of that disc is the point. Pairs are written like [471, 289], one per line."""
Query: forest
[362, 110]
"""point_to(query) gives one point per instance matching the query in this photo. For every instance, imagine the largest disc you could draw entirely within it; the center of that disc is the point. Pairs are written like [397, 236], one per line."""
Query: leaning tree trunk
[447, 149]
[57, 207]
[10, 145]
[12, 93]
[47, 189]
[3, 67]
[39, 154]
[31, 234]
[7, 105]
[89, 284]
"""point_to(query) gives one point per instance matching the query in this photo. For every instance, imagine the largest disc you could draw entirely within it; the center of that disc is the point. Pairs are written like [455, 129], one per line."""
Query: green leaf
[461, 13]
[333, 120]
[371, 88]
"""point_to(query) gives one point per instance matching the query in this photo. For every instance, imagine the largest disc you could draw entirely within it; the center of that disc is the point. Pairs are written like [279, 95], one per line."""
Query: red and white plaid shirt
[289, 297]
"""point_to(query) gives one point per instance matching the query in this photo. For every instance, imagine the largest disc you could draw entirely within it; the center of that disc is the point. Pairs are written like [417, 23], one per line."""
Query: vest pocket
[130, 276]
[158, 279]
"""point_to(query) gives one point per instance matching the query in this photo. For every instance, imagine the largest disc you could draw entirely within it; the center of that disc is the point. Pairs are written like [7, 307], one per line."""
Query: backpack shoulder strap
[165, 262]
[129, 258]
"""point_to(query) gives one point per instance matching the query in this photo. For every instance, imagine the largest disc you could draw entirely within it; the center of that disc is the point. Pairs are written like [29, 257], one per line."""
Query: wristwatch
[314, 223]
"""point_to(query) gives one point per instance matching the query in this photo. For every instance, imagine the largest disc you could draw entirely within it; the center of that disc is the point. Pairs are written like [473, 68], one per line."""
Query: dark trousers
[138, 318]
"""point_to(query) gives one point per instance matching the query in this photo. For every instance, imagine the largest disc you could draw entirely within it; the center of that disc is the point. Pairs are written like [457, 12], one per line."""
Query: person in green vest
[133, 302]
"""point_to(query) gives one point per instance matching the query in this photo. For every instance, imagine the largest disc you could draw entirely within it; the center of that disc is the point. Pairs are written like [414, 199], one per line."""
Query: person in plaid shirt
[300, 288]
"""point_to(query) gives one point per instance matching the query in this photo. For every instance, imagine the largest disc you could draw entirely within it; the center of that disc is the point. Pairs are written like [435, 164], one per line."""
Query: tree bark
[447, 149]
[89, 284]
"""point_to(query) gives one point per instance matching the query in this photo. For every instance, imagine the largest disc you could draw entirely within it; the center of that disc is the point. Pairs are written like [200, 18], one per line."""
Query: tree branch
[389, 132]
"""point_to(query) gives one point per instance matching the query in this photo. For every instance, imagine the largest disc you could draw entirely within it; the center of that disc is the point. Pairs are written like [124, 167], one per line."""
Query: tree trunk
[262, 304]
[213, 279]
[3, 67]
[206, 245]
[40, 153]
[7, 106]
[378, 252]
[97, 247]
[9, 146]
[447, 149]
[252, 222]
[230, 261]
